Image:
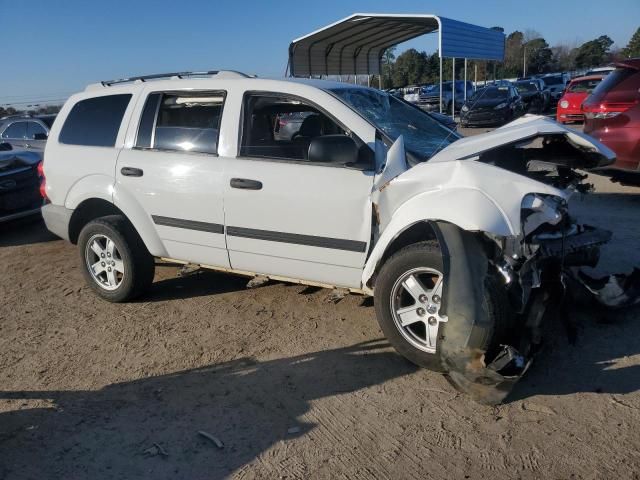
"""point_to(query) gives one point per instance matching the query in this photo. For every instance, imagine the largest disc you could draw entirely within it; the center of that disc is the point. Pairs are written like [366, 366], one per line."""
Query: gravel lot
[293, 385]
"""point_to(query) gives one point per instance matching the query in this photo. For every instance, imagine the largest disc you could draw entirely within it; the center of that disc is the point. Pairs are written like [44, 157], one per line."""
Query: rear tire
[115, 262]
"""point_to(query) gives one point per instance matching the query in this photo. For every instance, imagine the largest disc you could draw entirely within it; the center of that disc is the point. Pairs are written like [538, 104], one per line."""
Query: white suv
[462, 242]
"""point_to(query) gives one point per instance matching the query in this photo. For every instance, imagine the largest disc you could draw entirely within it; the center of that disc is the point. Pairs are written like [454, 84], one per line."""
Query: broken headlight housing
[538, 210]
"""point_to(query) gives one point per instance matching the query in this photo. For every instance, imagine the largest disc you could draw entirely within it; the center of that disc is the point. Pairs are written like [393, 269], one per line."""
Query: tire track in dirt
[378, 447]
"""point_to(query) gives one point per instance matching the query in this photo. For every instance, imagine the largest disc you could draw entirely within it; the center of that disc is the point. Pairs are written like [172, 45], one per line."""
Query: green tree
[388, 59]
[593, 52]
[633, 47]
[513, 56]
[538, 55]
[410, 68]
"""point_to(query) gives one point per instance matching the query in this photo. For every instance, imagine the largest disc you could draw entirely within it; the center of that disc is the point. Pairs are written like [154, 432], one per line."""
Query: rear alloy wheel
[116, 263]
[104, 262]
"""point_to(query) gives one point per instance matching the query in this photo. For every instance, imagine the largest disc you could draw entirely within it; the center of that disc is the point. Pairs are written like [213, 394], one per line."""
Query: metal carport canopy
[355, 45]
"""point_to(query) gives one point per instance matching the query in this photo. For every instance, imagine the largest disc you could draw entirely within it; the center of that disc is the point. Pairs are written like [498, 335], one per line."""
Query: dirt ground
[293, 386]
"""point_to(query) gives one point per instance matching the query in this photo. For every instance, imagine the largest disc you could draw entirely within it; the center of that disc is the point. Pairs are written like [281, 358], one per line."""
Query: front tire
[412, 273]
[115, 262]
[424, 261]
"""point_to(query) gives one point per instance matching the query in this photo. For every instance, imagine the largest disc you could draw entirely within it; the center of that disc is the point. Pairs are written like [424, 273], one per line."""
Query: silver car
[26, 132]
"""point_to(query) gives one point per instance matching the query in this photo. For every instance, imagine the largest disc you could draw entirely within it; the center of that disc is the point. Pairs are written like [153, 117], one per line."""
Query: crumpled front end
[541, 273]
[498, 205]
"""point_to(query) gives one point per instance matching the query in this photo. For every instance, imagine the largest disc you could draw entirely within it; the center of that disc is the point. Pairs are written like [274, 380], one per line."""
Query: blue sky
[52, 48]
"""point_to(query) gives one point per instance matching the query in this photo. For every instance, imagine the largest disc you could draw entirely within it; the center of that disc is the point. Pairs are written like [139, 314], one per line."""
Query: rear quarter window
[95, 121]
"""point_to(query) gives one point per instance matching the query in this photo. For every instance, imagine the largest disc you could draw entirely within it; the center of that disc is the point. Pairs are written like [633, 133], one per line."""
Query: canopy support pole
[440, 83]
[475, 83]
[453, 90]
[465, 80]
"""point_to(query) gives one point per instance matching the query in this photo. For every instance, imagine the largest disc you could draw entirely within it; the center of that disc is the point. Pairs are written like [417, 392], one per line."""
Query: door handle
[131, 172]
[26, 145]
[245, 184]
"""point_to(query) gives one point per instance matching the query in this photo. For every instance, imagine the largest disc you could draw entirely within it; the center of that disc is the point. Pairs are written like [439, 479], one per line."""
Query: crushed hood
[526, 128]
[500, 147]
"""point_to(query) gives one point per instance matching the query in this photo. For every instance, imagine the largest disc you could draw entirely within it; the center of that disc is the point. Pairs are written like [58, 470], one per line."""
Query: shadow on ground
[24, 232]
[248, 405]
[198, 284]
[598, 362]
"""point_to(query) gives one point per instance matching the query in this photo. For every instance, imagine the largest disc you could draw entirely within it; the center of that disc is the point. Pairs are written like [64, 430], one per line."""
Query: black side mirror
[338, 149]
[4, 146]
[40, 136]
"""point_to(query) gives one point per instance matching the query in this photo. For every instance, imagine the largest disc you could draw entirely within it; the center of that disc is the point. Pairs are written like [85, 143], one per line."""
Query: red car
[576, 92]
[612, 114]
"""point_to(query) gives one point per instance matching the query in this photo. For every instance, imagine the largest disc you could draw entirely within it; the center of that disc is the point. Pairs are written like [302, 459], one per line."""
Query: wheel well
[418, 232]
[87, 211]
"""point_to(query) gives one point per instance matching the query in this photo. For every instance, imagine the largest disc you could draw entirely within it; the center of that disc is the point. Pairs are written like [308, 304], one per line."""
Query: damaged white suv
[462, 242]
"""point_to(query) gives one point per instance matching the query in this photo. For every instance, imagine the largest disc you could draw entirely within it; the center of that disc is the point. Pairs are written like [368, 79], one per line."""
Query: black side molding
[295, 238]
[188, 224]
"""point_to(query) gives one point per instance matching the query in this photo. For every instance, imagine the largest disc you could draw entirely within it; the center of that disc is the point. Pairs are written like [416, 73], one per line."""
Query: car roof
[587, 77]
[172, 83]
[629, 63]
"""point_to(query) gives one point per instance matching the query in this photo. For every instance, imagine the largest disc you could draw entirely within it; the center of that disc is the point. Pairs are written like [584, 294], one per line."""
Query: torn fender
[474, 196]
[472, 327]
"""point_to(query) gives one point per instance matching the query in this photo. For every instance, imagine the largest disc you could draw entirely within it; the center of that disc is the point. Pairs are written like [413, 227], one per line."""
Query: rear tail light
[43, 182]
[606, 109]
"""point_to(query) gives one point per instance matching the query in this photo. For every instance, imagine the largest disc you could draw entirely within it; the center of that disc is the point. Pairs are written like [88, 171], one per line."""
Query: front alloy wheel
[415, 303]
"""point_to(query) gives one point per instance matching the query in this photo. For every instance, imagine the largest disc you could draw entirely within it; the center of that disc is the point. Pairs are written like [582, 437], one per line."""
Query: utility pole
[524, 61]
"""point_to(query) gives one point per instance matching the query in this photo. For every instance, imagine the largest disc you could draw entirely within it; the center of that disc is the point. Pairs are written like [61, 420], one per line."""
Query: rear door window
[33, 129]
[17, 130]
[95, 121]
[181, 121]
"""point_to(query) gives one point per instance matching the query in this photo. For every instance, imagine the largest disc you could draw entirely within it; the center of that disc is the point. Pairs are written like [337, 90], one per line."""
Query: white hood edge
[523, 128]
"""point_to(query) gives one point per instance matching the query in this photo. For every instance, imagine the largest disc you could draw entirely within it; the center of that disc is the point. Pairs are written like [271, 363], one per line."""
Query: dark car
[555, 83]
[534, 97]
[20, 178]
[612, 114]
[26, 131]
[429, 97]
[492, 106]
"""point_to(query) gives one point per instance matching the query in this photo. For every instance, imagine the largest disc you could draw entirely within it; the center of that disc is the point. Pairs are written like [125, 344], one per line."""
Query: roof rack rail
[157, 76]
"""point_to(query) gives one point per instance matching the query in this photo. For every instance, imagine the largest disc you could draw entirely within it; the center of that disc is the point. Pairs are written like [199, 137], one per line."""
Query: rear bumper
[625, 142]
[57, 219]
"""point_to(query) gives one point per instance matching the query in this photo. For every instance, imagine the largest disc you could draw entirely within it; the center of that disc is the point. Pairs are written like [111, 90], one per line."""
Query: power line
[35, 102]
[3, 98]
